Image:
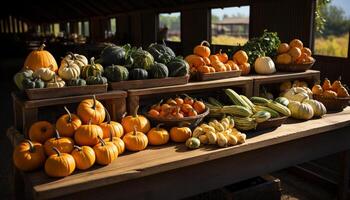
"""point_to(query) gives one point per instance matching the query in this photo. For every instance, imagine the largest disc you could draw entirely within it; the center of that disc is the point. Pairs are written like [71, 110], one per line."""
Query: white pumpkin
[300, 110]
[308, 92]
[44, 73]
[296, 94]
[69, 70]
[78, 59]
[318, 107]
[56, 82]
[264, 65]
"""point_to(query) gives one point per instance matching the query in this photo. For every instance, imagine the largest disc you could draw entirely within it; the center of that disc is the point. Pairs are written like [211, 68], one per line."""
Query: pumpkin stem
[92, 61]
[158, 126]
[90, 121]
[31, 146]
[108, 116]
[94, 105]
[57, 151]
[103, 143]
[71, 54]
[57, 135]
[42, 46]
[135, 130]
[124, 114]
[205, 42]
[220, 51]
[135, 111]
[69, 114]
[77, 147]
[163, 42]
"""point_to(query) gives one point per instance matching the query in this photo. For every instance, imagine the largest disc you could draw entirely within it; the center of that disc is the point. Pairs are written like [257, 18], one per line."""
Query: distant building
[232, 26]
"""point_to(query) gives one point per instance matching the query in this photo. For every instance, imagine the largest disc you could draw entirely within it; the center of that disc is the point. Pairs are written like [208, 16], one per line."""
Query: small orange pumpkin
[87, 135]
[179, 101]
[317, 89]
[68, 123]
[135, 140]
[40, 58]
[342, 92]
[28, 155]
[111, 127]
[330, 94]
[245, 67]
[188, 100]
[63, 144]
[194, 61]
[336, 84]
[219, 66]
[91, 109]
[199, 106]
[59, 164]
[153, 113]
[180, 134]
[41, 131]
[206, 60]
[192, 113]
[326, 84]
[186, 108]
[202, 50]
[203, 69]
[84, 157]
[106, 152]
[119, 143]
[139, 121]
[240, 57]
[158, 136]
[222, 56]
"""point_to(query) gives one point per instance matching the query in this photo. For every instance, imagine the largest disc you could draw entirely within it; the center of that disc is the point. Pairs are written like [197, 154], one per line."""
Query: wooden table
[26, 111]
[310, 76]
[172, 171]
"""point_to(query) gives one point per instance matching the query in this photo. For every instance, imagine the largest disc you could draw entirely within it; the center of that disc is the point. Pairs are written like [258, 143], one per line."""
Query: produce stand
[26, 111]
[161, 172]
[310, 76]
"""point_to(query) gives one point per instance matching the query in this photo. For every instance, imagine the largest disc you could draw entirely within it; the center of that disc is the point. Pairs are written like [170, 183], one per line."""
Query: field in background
[228, 40]
[332, 46]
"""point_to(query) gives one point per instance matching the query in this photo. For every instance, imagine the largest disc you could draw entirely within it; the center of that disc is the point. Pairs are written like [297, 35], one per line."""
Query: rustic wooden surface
[155, 160]
[217, 75]
[148, 83]
[47, 93]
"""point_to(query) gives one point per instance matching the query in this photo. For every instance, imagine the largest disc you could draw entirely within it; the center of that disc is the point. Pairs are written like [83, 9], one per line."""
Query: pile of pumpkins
[328, 90]
[294, 53]
[203, 62]
[41, 71]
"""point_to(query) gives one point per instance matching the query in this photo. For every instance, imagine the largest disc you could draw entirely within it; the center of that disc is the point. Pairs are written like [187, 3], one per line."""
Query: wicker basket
[294, 67]
[186, 121]
[333, 104]
[271, 123]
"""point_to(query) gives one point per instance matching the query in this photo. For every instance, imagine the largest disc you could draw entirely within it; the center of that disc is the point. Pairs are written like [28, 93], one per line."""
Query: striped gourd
[279, 108]
[235, 98]
[273, 113]
[261, 116]
[237, 110]
[259, 101]
[250, 104]
[215, 102]
[245, 123]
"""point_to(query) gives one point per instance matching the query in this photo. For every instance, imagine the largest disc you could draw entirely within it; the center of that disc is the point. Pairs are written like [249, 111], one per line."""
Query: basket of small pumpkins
[177, 112]
[334, 96]
[294, 57]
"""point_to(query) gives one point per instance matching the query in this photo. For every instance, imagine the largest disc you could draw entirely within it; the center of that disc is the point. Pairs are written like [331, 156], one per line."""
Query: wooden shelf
[165, 159]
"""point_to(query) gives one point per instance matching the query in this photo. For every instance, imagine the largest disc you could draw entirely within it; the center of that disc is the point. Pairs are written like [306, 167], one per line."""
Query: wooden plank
[48, 93]
[217, 75]
[157, 160]
[149, 83]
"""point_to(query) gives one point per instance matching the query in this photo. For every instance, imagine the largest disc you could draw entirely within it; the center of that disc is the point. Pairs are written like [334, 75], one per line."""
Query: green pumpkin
[96, 80]
[178, 67]
[116, 73]
[112, 55]
[159, 70]
[20, 76]
[193, 143]
[76, 82]
[33, 83]
[138, 58]
[161, 53]
[138, 74]
[91, 70]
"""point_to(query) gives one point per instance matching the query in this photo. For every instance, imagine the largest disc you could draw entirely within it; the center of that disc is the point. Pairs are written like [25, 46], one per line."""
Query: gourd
[326, 84]
[202, 50]
[138, 74]
[88, 134]
[296, 94]
[158, 136]
[84, 157]
[63, 144]
[245, 67]
[135, 140]
[76, 82]
[342, 92]
[111, 128]
[59, 164]
[286, 85]
[46, 74]
[141, 123]
[329, 94]
[336, 85]
[91, 70]
[159, 70]
[317, 89]
[240, 57]
[28, 83]
[96, 80]
[219, 66]
[264, 65]
[222, 56]
[69, 70]
[112, 55]
[300, 110]
[194, 61]
[139, 58]
[106, 152]
[20, 76]
[28, 156]
[91, 109]
[282, 100]
[56, 82]
[116, 73]
[40, 58]
[178, 67]
[193, 143]
[318, 107]
[41, 131]
[161, 53]
[119, 143]
[68, 123]
[180, 133]
[77, 59]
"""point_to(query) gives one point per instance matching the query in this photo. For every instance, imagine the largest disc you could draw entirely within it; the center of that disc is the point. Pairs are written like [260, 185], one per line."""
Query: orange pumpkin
[119, 143]
[186, 108]
[41, 131]
[245, 67]
[67, 124]
[212, 69]
[202, 50]
[91, 110]
[192, 113]
[233, 65]
[179, 101]
[139, 121]
[111, 128]
[199, 106]
[219, 66]
[336, 84]
[87, 135]
[59, 164]
[240, 57]
[330, 94]
[84, 157]
[188, 100]
[326, 84]
[203, 69]
[63, 144]
[317, 89]
[153, 113]
[158, 136]
[180, 134]
[135, 140]
[106, 152]
[194, 61]
[28, 155]
[228, 67]
[206, 60]
[342, 92]
[222, 56]
[213, 58]
[40, 58]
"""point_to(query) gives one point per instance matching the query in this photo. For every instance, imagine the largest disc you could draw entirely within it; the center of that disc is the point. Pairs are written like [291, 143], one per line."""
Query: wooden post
[343, 185]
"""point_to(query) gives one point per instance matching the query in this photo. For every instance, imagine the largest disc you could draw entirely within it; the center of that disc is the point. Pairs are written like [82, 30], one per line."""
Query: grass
[228, 40]
[332, 46]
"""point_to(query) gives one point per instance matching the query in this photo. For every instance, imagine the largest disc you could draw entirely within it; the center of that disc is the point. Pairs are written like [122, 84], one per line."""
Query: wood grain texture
[148, 83]
[217, 75]
[156, 160]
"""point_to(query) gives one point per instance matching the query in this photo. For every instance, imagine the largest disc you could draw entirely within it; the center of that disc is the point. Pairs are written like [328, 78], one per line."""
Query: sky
[345, 4]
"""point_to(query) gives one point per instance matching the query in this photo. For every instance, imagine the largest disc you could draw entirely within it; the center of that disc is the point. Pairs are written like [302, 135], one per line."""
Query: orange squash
[199, 106]
[233, 65]
[40, 58]
[87, 135]
[317, 89]
[342, 92]
[41, 131]
[28, 155]
[219, 66]
[222, 56]
[180, 133]
[111, 127]
[63, 144]
[84, 157]
[139, 121]
[194, 61]
[213, 58]
[91, 110]
[153, 113]
[245, 67]
[202, 50]
[240, 57]
[336, 84]
[206, 60]
[68, 123]
[179, 101]
[119, 143]
[203, 69]
[59, 164]
[330, 94]
[158, 136]
[135, 140]
[326, 84]
[106, 152]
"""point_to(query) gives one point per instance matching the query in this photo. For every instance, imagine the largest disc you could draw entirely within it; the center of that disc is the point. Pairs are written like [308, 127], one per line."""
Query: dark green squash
[178, 67]
[76, 82]
[92, 69]
[161, 52]
[138, 58]
[29, 83]
[116, 73]
[159, 70]
[95, 80]
[138, 74]
[112, 54]
[20, 76]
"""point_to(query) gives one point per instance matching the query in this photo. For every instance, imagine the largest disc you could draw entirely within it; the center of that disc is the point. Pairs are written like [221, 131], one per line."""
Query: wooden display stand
[26, 111]
[245, 83]
[259, 80]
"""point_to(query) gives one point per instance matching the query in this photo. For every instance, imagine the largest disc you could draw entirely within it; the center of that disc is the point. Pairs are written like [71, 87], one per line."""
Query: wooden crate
[259, 80]
[134, 96]
[26, 112]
